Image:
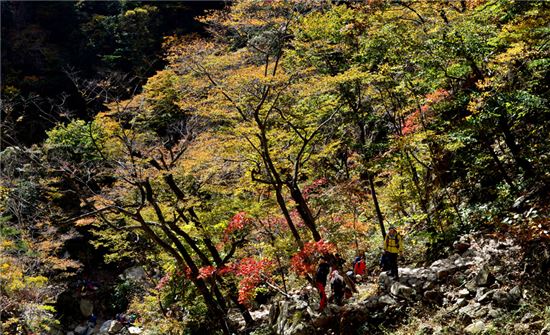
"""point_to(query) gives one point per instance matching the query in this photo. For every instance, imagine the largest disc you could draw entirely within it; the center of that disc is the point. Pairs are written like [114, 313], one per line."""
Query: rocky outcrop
[469, 286]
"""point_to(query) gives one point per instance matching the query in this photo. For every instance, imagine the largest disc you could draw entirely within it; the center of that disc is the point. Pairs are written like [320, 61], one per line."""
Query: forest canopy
[279, 131]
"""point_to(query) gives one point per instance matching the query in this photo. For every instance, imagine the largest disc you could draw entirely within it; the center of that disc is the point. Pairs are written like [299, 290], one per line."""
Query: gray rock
[483, 277]
[463, 293]
[70, 333]
[461, 302]
[442, 273]
[477, 327]
[86, 307]
[528, 317]
[135, 273]
[484, 296]
[80, 329]
[481, 312]
[520, 328]
[110, 327]
[494, 313]
[469, 310]
[515, 294]
[433, 296]
[135, 330]
[400, 290]
[384, 281]
[387, 300]
[429, 285]
[501, 298]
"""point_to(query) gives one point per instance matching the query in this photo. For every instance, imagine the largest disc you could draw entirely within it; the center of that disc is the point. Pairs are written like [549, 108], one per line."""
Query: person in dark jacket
[337, 286]
[323, 270]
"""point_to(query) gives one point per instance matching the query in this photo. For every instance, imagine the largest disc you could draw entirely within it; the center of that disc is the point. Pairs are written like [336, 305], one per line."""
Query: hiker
[339, 261]
[360, 267]
[393, 245]
[337, 286]
[323, 270]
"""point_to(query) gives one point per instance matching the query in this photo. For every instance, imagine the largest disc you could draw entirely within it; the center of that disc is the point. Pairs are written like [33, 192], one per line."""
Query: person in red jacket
[360, 267]
[323, 270]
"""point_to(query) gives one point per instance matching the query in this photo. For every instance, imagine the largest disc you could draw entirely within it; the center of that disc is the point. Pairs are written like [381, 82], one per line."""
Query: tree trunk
[510, 141]
[303, 210]
[370, 178]
[286, 214]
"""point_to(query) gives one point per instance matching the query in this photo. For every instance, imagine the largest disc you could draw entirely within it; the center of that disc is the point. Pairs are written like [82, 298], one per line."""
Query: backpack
[395, 238]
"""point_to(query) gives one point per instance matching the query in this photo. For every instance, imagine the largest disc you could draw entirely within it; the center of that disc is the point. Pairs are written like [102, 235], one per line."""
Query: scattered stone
[429, 285]
[475, 328]
[442, 274]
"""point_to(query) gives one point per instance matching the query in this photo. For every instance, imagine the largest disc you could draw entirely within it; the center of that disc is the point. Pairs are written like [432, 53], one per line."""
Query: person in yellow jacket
[393, 245]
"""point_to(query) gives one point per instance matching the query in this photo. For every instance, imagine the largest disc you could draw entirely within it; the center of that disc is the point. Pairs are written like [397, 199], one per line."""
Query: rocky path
[474, 287]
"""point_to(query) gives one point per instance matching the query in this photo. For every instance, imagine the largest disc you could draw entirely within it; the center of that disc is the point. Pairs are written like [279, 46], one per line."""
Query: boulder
[86, 307]
[384, 281]
[484, 277]
[135, 273]
[110, 327]
[483, 295]
[477, 327]
[464, 293]
[461, 302]
[135, 330]
[403, 291]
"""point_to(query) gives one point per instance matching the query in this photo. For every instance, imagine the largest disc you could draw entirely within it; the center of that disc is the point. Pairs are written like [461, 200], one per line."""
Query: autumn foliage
[304, 261]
